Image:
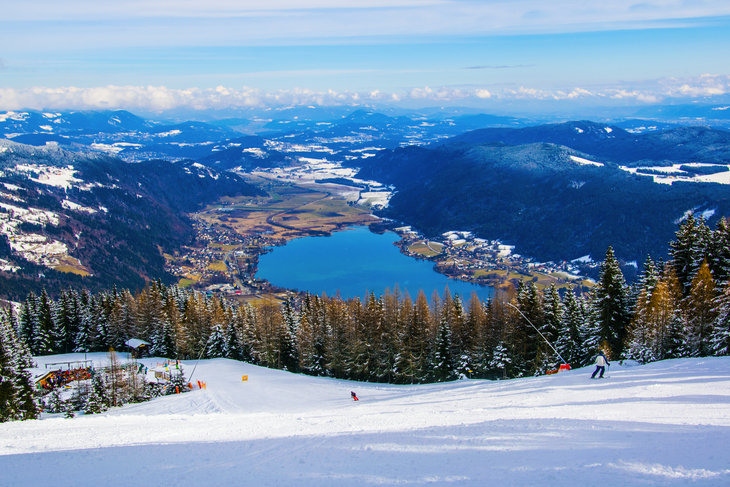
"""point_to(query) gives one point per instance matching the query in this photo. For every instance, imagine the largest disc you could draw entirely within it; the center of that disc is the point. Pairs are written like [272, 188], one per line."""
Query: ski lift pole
[196, 363]
[538, 331]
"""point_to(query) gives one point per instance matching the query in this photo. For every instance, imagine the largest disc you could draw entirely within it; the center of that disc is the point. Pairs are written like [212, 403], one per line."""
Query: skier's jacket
[601, 360]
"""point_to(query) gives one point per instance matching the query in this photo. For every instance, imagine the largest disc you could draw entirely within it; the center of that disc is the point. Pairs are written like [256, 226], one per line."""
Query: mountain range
[559, 191]
[66, 214]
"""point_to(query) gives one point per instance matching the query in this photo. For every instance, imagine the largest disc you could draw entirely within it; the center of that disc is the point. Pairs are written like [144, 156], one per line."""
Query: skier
[601, 362]
[354, 396]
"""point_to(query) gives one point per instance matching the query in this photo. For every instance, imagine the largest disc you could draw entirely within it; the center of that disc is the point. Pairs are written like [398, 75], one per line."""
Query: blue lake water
[355, 262]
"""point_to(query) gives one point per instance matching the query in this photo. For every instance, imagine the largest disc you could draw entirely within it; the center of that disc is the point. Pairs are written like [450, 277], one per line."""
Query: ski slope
[665, 423]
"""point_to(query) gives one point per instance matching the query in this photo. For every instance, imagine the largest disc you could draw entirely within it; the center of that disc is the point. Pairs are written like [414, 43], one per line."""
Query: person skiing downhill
[354, 396]
[601, 362]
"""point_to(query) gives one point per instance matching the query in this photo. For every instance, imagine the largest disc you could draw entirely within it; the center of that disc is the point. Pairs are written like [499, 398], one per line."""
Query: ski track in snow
[666, 423]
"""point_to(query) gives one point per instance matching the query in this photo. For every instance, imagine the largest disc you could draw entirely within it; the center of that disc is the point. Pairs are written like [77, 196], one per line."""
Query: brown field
[501, 277]
[217, 266]
[72, 265]
[422, 249]
[289, 212]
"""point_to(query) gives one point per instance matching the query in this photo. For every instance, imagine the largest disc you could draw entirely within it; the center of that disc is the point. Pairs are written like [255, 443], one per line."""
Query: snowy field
[666, 423]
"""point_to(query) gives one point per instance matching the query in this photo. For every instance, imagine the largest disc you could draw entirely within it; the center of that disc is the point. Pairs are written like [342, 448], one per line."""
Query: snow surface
[585, 162]
[667, 423]
[720, 177]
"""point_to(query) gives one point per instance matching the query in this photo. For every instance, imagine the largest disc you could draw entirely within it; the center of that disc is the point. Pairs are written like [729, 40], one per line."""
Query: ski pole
[538, 331]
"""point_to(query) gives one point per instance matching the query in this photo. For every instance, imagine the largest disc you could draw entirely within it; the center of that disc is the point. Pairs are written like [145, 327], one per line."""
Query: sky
[161, 54]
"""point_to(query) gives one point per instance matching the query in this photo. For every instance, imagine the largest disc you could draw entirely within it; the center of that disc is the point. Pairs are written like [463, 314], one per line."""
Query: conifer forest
[678, 308]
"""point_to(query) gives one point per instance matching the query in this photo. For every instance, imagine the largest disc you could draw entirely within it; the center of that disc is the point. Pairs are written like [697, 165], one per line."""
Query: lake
[356, 262]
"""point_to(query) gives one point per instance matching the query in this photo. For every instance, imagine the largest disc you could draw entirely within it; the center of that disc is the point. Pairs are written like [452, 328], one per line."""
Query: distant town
[232, 236]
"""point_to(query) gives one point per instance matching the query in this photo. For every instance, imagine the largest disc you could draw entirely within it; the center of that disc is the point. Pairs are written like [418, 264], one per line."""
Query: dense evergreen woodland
[676, 309]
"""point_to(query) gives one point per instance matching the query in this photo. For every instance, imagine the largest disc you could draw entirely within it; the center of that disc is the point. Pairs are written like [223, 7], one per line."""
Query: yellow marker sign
[244, 378]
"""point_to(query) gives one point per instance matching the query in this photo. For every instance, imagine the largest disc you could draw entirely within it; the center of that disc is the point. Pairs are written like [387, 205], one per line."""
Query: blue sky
[164, 54]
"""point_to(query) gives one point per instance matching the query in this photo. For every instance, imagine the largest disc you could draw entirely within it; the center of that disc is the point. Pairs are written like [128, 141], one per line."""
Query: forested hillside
[111, 217]
[613, 144]
[539, 197]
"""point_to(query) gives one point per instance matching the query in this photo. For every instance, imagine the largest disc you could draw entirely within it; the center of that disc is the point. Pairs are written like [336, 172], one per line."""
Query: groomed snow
[666, 423]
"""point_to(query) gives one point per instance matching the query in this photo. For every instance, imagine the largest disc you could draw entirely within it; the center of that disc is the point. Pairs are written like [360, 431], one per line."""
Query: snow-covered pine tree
[247, 327]
[178, 383]
[233, 348]
[553, 312]
[500, 359]
[163, 340]
[689, 249]
[96, 402]
[720, 338]
[529, 301]
[719, 253]
[611, 305]
[443, 368]
[568, 340]
[56, 404]
[216, 342]
[28, 319]
[590, 333]
[340, 327]
[9, 388]
[42, 341]
[288, 345]
[62, 310]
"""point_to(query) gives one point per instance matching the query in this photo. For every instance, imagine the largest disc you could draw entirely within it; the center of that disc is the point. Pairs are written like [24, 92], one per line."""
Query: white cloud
[223, 22]
[161, 98]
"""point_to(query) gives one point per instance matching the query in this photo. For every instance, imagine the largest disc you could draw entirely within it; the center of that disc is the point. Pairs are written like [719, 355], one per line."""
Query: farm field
[291, 211]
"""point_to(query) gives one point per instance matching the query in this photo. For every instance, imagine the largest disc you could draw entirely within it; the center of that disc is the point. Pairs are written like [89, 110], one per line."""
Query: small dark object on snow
[354, 396]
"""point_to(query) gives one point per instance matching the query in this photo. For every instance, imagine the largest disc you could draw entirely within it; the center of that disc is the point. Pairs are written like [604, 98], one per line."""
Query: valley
[234, 232]
[489, 200]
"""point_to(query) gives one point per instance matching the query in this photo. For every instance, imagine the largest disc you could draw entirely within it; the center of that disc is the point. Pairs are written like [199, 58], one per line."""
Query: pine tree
[530, 346]
[233, 347]
[216, 343]
[9, 390]
[289, 352]
[689, 249]
[500, 359]
[56, 404]
[568, 339]
[720, 338]
[443, 362]
[16, 384]
[611, 304]
[700, 311]
[41, 343]
[553, 312]
[719, 252]
[97, 402]
[178, 383]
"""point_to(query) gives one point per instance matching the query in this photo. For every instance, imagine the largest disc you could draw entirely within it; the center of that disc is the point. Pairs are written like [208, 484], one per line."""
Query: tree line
[680, 308]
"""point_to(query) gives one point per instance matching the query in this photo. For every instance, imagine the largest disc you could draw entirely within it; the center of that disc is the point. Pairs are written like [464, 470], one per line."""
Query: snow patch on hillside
[585, 162]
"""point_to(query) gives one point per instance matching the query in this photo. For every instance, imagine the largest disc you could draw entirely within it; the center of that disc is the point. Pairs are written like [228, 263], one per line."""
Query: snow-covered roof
[136, 343]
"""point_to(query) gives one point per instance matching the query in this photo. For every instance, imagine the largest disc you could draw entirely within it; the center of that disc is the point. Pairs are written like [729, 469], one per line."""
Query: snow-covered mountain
[666, 423]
